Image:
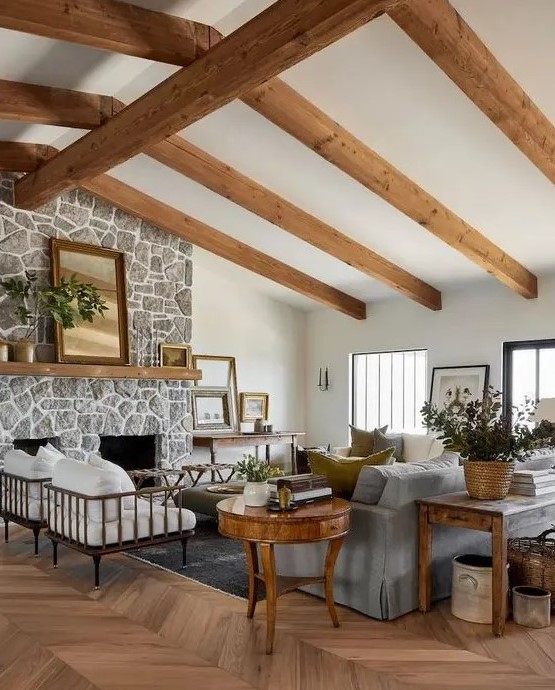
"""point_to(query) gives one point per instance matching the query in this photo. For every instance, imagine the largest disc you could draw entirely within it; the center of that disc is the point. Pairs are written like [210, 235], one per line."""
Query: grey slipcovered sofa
[377, 569]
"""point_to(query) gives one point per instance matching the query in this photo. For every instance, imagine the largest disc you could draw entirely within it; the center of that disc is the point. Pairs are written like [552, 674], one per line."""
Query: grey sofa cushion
[383, 441]
[404, 489]
[373, 479]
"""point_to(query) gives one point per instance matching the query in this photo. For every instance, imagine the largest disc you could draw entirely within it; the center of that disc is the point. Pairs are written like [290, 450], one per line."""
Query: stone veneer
[159, 276]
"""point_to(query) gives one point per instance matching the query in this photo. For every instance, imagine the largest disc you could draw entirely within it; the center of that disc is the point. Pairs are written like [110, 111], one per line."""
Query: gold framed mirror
[210, 409]
[105, 340]
[219, 372]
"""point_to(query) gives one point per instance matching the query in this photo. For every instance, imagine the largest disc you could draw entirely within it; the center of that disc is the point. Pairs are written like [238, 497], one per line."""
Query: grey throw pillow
[383, 441]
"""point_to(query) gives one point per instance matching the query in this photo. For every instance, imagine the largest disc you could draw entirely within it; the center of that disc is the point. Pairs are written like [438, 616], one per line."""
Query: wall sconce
[323, 381]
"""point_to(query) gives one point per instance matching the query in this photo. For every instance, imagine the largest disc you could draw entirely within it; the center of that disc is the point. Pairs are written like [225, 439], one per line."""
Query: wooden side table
[459, 510]
[320, 521]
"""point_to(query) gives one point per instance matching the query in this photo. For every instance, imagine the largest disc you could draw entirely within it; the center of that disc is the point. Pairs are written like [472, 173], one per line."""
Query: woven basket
[488, 480]
[532, 561]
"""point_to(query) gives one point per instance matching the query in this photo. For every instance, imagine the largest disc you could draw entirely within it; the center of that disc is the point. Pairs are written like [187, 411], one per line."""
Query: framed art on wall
[175, 355]
[219, 372]
[455, 386]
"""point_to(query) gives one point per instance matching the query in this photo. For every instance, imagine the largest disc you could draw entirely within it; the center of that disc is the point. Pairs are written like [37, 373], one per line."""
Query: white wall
[232, 316]
[470, 329]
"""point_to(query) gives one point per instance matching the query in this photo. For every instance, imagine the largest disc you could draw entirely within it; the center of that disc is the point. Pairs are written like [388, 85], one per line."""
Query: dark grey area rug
[211, 559]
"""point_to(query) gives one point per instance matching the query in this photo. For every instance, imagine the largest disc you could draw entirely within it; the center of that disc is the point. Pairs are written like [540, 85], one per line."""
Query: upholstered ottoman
[199, 500]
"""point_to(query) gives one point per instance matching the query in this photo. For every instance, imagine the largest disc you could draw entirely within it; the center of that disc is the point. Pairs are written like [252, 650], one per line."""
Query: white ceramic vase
[256, 494]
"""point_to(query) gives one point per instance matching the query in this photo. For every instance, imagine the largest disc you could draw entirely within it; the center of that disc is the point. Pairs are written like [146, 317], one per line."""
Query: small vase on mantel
[256, 494]
[24, 351]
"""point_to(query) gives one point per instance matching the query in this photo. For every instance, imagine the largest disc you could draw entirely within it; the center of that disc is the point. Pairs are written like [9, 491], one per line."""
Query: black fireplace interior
[129, 452]
[30, 445]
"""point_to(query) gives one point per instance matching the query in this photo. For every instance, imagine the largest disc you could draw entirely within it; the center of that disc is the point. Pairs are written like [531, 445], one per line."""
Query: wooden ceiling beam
[290, 111]
[201, 235]
[284, 34]
[52, 106]
[22, 157]
[110, 25]
[182, 156]
[448, 40]
[49, 105]
[15, 157]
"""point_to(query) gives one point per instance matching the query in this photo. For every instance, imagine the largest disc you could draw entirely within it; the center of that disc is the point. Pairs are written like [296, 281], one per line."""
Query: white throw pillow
[86, 479]
[21, 464]
[53, 451]
[416, 447]
[126, 481]
[436, 449]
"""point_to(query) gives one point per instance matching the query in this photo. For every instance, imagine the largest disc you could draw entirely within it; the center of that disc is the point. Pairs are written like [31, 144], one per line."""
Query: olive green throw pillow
[342, 474]
[362, 441]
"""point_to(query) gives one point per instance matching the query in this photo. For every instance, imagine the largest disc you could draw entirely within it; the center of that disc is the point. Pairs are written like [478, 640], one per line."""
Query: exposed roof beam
[290, 111]
[182, 156]
[448, 40]
[276, 39]
[110, 25]
[21, 157]
[52, 106]
[15, 157]
[34, 103]
[143, 206]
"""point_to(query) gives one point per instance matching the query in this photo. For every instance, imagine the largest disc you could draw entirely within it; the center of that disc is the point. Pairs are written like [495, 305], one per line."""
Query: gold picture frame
[175, 355]
[254, 406]
[219, 371]
[210, 409]
[105, 340]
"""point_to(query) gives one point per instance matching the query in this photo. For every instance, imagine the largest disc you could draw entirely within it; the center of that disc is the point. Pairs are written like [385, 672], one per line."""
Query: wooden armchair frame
[76, 505]
[15, 492]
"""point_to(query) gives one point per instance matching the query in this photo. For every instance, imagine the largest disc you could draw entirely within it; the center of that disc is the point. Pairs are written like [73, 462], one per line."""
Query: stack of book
[305, 488]
[533, 482]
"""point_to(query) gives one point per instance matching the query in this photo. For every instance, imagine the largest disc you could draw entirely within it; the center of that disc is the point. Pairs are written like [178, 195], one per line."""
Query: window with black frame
[388, 388]
[528, 371]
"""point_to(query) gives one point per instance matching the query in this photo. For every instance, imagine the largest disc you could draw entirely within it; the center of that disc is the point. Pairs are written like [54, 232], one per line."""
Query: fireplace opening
[30, 445]
[129, 452]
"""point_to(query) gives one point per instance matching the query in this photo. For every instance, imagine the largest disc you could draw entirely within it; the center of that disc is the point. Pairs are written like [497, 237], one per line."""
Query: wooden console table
[459, 510]
[319, 521]
[225, 440]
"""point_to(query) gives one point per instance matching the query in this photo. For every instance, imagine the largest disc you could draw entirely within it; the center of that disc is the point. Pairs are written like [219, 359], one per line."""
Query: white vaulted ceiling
[379, 85]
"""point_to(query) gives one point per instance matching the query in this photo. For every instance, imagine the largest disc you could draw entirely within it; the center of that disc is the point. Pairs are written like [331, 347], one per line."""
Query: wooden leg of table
[294, 455]
[267, 455]
[424, 560]
[252, 569]
[212, 462]
[334, 547]
[499, 575]
[269, 569]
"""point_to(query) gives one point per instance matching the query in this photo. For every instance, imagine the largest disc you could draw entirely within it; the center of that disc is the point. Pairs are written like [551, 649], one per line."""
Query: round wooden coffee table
[320, 521]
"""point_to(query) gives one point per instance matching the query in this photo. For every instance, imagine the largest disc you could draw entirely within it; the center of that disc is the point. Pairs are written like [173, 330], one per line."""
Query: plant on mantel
[69, 304]
[488, 440]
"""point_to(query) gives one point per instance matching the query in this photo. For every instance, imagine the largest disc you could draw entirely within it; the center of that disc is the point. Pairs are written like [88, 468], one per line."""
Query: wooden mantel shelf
[98, 371]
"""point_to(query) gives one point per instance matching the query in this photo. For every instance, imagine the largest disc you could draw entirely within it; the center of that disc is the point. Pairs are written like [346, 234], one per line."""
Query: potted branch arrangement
[489, 441]
[256, 473]
[68, 303]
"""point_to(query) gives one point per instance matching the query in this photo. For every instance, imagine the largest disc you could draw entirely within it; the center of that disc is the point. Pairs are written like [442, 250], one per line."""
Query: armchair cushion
[22, 464]
[342, 473]
[82, 478]
[125, 480]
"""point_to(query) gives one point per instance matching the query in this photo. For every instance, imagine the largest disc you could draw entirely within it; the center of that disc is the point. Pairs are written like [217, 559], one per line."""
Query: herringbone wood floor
[148, 629]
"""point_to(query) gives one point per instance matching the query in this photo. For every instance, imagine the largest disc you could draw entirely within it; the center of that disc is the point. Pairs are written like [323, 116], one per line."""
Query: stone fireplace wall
[76, 412]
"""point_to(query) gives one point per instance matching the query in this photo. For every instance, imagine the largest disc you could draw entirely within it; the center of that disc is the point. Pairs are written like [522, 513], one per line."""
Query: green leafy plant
[68, 303]
[478, 429]
[252, 470]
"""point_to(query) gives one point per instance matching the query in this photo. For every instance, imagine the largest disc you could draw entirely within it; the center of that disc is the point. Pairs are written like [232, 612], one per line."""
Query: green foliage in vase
[68, 303]
[478, 429]
[252, 470]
